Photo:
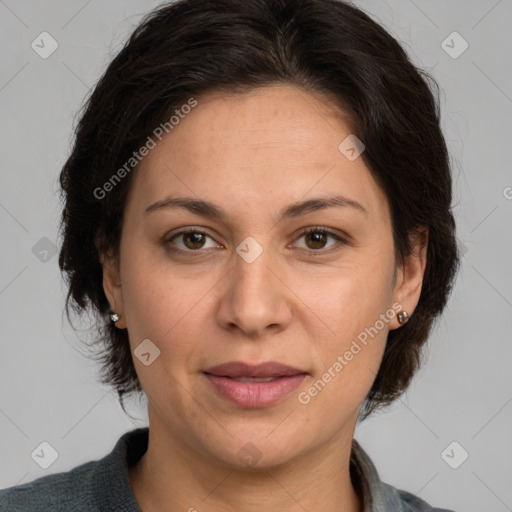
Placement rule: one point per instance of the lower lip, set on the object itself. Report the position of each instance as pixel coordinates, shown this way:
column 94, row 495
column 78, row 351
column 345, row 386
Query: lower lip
column 255, row 394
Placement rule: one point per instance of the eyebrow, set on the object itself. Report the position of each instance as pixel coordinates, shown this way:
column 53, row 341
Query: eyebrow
column 210, row 210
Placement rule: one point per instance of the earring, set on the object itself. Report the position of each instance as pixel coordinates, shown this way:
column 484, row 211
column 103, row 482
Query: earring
column 114, row 317
column 403, row 317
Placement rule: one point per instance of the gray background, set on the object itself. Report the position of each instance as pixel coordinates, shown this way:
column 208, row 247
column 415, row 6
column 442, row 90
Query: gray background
column 48, row 389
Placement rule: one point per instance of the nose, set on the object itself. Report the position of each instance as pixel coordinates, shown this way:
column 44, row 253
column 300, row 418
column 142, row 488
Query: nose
column 255, row 298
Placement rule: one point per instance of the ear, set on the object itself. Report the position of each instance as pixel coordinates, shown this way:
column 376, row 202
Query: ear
column 409, row 279
column 112, row 287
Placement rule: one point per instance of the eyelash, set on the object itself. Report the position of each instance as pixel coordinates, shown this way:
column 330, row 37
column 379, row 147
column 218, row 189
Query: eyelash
column 305, row 231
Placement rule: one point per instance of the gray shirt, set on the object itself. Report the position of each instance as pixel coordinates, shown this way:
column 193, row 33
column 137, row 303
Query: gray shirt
column 104, row 486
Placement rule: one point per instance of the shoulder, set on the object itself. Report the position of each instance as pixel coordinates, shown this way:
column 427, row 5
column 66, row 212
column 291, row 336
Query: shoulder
column 411, row 503
column 379, row 496
column 93, row 486
column 70, row 490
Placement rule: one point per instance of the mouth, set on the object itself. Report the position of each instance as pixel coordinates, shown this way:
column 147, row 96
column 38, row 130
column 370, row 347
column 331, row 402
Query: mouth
column 254, row 379
column 254, row 386
column 240, row 370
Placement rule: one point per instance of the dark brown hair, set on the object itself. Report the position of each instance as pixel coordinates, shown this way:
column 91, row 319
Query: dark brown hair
column 190, row 47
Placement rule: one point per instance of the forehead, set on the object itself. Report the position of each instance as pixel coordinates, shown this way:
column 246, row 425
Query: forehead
column 267, row 120
column 269, row 146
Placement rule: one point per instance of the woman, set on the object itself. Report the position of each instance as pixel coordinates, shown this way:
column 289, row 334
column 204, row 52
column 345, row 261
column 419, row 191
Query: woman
column 257, row 208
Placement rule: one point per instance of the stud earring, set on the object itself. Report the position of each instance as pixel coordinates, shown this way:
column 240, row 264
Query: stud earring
column 114, row 317
column 403, row 317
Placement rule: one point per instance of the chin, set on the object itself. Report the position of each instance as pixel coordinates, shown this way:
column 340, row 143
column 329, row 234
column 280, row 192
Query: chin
column 253, row 452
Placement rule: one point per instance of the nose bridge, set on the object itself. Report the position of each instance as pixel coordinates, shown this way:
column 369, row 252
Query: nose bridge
column 252, row 273
column 254, row 298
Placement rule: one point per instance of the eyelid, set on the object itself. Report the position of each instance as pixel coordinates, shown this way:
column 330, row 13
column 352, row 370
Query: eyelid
column 328, row 231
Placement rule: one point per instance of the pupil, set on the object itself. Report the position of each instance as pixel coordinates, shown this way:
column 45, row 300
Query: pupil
column 195, row 238
column 317, row 237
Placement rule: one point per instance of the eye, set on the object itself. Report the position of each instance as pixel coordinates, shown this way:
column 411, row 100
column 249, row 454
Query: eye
column 316, row 238
column 192, row 241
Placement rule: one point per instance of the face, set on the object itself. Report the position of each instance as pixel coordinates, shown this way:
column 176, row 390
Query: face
column 250, row 285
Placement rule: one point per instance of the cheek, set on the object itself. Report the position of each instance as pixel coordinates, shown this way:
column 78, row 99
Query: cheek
column 356, row 310
column 349, row 360
column 147, row 296
column 161, row 310
column 164, row 306
column 353, row 296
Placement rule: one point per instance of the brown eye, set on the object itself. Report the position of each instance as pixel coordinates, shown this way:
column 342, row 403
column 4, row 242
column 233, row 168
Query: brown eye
column 317, row 238
column 193, row 239
column 188, row 241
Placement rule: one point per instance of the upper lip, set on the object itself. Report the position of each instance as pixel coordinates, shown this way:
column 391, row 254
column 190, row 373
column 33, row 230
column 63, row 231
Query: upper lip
column 240, row 369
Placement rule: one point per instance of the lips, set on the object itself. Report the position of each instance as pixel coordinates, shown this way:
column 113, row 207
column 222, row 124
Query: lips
column 267, row 370
column 254, row 386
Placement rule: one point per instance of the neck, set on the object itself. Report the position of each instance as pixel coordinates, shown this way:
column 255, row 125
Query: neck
column 171, row 476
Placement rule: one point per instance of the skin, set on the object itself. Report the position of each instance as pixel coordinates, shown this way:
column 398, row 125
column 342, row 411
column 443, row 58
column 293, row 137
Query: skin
column 301, row 302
